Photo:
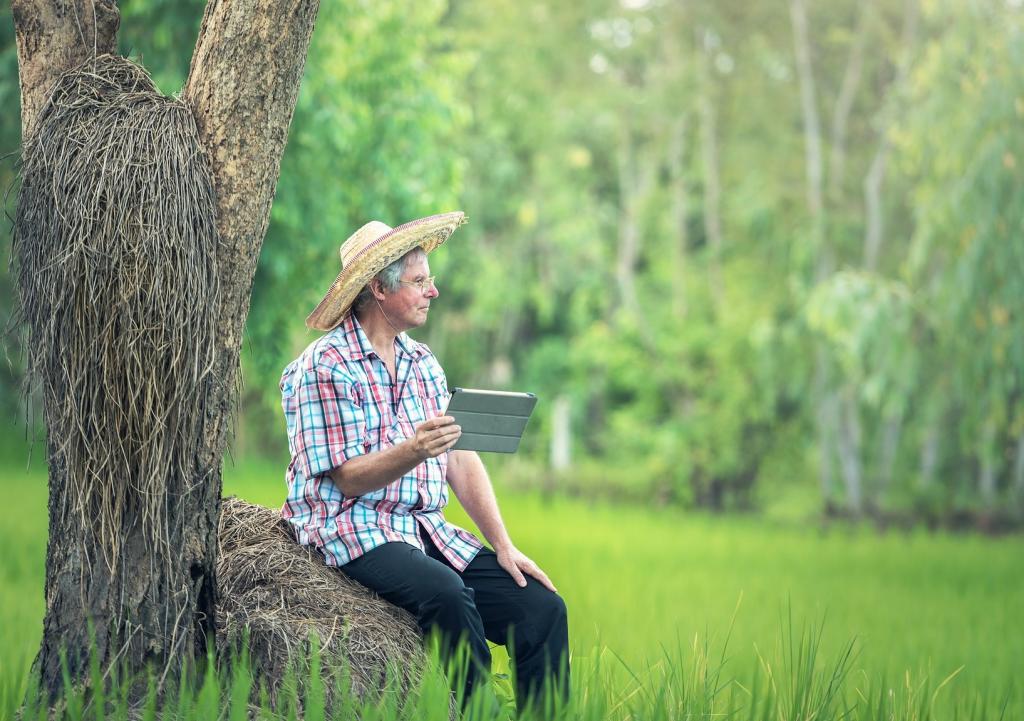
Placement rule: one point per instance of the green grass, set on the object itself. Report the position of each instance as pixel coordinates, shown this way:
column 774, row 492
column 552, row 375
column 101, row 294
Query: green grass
column 653, row 594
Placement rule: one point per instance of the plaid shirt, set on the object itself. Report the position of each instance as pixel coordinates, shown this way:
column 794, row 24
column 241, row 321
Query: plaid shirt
column 339, row 402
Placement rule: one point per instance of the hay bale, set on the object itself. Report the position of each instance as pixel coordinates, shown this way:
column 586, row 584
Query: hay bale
column 281, row 593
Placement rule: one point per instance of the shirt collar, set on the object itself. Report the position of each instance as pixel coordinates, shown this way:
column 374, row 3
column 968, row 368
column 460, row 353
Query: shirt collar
column 354, row 345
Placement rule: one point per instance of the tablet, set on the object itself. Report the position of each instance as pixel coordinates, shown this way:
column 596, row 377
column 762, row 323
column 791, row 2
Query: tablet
column 490, row 420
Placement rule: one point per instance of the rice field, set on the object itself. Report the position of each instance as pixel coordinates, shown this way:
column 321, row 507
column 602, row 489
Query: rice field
column 670, row 608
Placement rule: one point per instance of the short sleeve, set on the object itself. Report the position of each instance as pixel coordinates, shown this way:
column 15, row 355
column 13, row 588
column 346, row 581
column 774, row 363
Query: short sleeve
column 328, row 422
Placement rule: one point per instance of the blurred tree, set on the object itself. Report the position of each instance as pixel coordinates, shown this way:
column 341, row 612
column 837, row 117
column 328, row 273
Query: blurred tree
column 720, row 231
column 961, row 146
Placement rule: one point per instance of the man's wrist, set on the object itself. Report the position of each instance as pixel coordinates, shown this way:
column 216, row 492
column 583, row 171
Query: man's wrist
column 503, row 545
column 413, row 452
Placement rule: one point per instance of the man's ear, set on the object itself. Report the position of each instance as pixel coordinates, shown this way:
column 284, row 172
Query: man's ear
column 377, row 288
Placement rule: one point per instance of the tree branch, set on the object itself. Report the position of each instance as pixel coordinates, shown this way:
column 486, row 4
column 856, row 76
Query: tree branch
column 242, row 86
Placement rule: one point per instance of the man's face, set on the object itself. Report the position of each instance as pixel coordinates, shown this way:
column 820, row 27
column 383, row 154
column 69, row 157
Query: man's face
column 408, row 306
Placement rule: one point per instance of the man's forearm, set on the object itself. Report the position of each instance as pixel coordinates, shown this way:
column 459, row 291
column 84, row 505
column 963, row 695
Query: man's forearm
column 373, row 471
column 468, row 478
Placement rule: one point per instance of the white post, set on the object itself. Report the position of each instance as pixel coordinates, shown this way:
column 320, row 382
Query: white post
column 561, row 433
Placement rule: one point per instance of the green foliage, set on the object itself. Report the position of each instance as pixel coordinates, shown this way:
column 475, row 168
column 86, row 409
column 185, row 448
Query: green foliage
column 160, row 35
column 640, row 241
column 866, row 322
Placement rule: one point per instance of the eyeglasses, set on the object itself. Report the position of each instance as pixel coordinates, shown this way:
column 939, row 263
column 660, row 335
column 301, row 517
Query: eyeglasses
column 424, row 284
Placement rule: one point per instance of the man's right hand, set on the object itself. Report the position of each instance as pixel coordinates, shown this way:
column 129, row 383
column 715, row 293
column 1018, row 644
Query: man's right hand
column 369, row 472
column 435, row 436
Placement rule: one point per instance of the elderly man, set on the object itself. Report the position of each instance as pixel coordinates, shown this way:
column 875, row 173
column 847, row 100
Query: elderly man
column 371, row 463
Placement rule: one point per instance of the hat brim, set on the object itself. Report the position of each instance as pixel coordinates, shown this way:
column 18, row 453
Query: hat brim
column 426, row 233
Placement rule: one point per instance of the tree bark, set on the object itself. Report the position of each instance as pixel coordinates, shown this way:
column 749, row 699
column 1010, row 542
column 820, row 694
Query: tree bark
column 54, row 36
column 146, row 611
column 243, row 109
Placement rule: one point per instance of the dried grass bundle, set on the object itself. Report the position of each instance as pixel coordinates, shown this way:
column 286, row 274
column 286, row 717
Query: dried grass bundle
column 281, row 593
column 115, row 252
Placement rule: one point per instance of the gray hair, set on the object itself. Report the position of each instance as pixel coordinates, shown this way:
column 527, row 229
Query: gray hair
column 389, row 277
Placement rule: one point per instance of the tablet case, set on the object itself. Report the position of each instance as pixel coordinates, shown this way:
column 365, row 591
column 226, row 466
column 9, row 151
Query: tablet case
column 491, row 420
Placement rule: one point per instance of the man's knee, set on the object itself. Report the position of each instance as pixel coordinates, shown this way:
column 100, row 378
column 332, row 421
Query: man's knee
column 547, row 628
column 551, row 607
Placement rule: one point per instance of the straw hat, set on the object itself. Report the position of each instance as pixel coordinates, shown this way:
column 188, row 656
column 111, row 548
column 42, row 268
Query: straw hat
column 370, row 250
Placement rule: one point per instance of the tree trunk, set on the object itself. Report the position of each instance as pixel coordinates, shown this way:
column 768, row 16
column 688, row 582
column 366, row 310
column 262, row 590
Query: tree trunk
column 812, row 135
column 929, row 457
column 892, row 432
column 712, row 180
column 827, row 415
column 561, row 434
column 504, row 343
column 680, row 201
column 144, row 610
column 875, row 178
column 821, row 392
column 54, row 36
column 1018, row 469
column 844, row 104
column 987, row 480
column 629, row 228
column 635, row 180
column 873, row 205
column 849, row 443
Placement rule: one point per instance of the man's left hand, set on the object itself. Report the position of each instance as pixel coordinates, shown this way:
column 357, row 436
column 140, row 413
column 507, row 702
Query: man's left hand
column 516, row 563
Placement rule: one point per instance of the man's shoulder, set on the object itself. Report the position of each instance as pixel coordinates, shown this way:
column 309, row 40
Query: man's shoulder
column 327, row 355
column 333, row 348
column 430, row 372
column 424, row 356
column 417, row 348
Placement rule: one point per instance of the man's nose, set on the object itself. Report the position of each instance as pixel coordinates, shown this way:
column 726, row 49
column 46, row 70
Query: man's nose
column 432, row 291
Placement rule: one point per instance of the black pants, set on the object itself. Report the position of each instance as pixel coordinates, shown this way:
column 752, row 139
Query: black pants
column 479, row 604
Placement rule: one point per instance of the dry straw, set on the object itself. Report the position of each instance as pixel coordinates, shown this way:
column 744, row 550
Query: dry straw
column 115, row 253
column 281, row 594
